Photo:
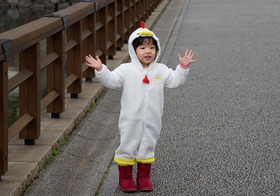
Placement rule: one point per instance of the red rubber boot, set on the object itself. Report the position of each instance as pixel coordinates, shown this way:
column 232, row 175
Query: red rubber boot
column 143, row 177
column 126, row 183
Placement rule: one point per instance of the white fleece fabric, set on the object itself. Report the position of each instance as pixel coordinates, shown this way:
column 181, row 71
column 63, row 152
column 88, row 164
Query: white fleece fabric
column 141, row 103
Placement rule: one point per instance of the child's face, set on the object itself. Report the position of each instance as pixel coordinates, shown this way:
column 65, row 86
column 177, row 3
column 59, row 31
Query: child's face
column 146, row 53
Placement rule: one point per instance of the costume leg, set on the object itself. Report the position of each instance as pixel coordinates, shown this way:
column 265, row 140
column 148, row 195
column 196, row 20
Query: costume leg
column 146, row 151
column 130, row 138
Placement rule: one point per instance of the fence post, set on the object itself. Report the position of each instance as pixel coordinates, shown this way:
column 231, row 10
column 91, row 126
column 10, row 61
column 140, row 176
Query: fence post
column 133, row 18
column 120, row 25
column 29, row 93
column 111, row 29
column 3, row 117
column 127, row 20
column 139, row 12
column 101, row 34
column 74, row 58
column 55, row 74
column 89, row 45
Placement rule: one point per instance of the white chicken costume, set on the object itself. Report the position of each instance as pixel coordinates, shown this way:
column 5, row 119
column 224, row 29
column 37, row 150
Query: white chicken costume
column 141, row 103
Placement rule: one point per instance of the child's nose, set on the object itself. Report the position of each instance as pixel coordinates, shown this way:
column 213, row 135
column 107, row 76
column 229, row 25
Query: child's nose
column 148, row 50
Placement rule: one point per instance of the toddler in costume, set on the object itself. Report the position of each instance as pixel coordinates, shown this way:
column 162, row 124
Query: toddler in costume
column 143, row 81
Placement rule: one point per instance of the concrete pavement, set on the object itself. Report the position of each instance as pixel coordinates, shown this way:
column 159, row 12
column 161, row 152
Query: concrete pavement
column 220, row 131
column 83, row 163
column 25, row 162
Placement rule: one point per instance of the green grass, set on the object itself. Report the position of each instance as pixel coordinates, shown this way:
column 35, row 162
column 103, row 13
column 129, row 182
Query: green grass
column 91, row 107
column 103, row 179
column 55, row 152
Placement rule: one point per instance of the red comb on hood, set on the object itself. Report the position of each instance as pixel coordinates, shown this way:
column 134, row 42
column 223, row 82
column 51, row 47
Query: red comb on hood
column 142, row 24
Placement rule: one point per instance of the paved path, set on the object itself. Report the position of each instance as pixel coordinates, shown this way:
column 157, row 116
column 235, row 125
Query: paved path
column 221, row 130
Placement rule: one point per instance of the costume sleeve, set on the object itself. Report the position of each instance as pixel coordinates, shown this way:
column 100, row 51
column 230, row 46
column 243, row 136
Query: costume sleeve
column 111, row 79
column 176, row 77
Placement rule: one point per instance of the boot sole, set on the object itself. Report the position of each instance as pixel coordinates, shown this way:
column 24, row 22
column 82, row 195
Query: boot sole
column 145, row 189
column 128, row 190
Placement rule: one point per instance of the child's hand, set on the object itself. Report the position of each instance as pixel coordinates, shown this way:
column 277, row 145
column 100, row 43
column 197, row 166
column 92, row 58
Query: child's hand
column 94, row 63
column 187, row 59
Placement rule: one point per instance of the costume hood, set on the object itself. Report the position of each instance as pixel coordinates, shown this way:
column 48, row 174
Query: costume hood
column 141, row 32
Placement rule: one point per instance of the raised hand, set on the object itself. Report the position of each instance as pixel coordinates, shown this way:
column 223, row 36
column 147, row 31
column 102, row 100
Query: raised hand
column 187, row 59
column 94, row 63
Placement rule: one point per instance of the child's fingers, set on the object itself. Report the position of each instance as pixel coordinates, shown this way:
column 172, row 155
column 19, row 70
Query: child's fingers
column 179, row 56
column 88, row 58
column 186, row 52
column 192, row 54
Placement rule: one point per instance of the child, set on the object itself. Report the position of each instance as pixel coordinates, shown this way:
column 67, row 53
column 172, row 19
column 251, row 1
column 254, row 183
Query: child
column 143, row 81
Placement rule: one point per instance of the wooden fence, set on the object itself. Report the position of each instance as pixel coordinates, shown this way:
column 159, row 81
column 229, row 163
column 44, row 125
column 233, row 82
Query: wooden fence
column 98, row 27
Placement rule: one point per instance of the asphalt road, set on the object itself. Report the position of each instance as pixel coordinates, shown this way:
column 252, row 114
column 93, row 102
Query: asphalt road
column 221, row 129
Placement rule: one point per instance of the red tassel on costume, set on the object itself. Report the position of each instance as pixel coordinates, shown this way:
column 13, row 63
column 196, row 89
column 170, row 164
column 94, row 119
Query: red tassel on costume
column 142, row 24
column 146, row 80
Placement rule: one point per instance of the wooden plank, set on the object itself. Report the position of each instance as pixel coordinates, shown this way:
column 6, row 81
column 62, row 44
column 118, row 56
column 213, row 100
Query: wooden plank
column 22, row 122
column 1, row 49
column 3, row 117
column 70, row 79
column 133, row 18
column 90, row 45
column 44, row 27
column 31, row 33
column 109, row 44
column 84, row 67
column 127, row 18
column 98, row 25
column 118, row 13
column 99, row 53
column 49, row 59
column 29, row 92
column 101, row 4
column 70, row 44
column 86, row 33
column 109, row 18
column 55, row 73
column 92, row 38
column 16, row 80
column 50, row 97
column 111, row 29
column 101, row 34
column 77, row 12
column 120, row 25
column 75, row 59
column 118, row 36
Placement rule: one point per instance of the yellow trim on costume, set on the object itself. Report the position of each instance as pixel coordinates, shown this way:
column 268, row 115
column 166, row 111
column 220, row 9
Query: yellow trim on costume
column 146, row 161
column 147, row 33
column 123, row 162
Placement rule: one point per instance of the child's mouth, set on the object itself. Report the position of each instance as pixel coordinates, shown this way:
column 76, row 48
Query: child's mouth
column 148, row 58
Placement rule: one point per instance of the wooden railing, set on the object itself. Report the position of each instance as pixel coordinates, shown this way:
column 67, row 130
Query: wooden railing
column 98, row 27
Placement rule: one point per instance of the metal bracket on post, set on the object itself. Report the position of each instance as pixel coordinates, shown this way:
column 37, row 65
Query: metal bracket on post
column 6, row 45
column 62, row 16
